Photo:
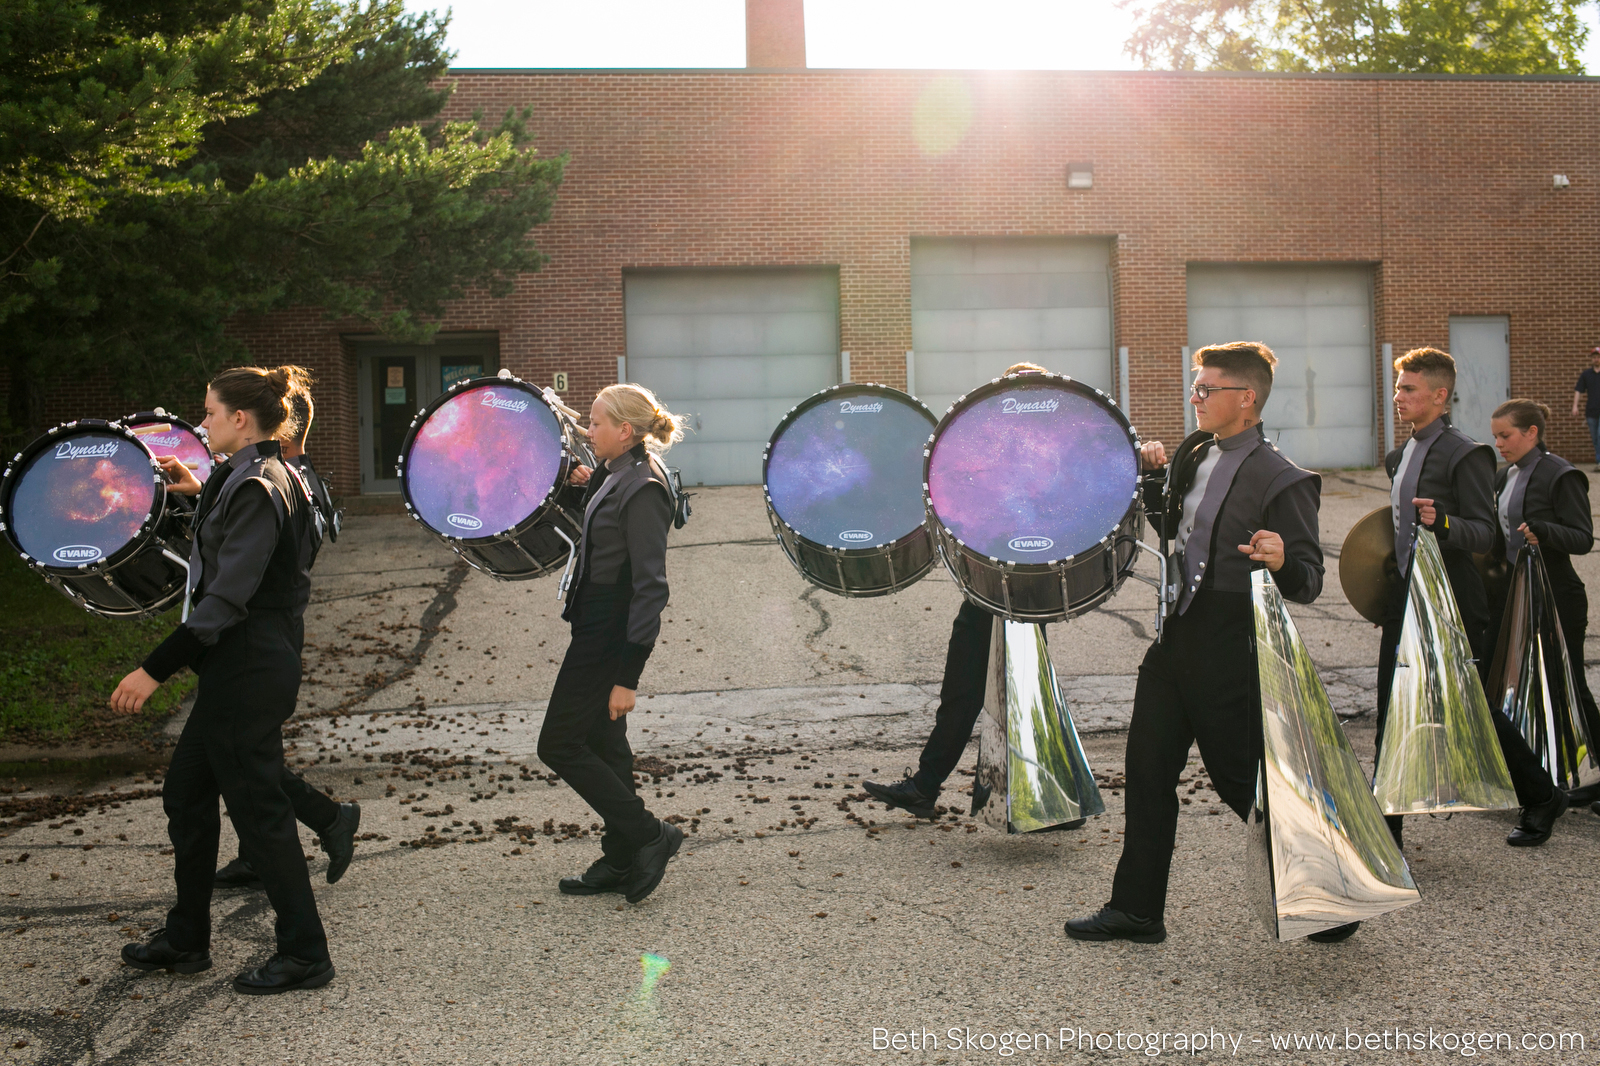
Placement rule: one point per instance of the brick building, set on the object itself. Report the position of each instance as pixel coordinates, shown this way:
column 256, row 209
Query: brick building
column 738, row 239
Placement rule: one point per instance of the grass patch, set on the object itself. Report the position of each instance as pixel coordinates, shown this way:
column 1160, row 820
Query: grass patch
column 61, row 664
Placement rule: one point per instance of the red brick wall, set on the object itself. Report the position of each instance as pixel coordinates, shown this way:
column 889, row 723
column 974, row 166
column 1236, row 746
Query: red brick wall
column 1444, row 183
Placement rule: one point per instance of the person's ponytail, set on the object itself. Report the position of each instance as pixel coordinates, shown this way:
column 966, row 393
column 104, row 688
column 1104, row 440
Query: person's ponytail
column 266, row 394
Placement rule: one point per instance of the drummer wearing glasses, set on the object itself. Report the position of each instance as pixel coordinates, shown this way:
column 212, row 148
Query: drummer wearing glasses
column 1230, row 502
column 619, row 591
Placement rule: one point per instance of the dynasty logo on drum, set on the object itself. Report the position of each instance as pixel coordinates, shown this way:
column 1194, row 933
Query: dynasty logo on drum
column 76, row 553
column 848, row 408
column 103, row 450
column 491, row 400
column 1013, row 406
column 464, row 521
column 855, row 536
column 1031, row 544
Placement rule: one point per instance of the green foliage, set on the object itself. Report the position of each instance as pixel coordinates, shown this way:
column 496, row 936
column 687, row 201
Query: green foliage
column 165, row 167
column 1379, row 36
column 61, row 665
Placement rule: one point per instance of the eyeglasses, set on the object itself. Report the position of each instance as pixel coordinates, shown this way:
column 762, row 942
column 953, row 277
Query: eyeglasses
column 1202, row 391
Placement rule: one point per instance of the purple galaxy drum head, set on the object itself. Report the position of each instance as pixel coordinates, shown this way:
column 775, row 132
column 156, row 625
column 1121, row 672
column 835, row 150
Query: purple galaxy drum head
column 482, row 460
column 1032, row 471
column 81, row 497
column 165, row 436
column 845, row 469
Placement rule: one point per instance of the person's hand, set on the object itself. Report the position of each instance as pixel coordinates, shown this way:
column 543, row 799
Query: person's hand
column 622, row 701
column 580, row 476
column 1153, row 455
column 180, row 478
column 1265, row 547
column 1528, row 535
column 131, row 693
column 1427, row 513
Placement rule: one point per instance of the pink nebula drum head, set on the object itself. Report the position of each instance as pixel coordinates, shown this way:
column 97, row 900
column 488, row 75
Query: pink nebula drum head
column 1033, row 471
column 81, row 498
column 845, row 469
column 167, row 437
column 483, row 460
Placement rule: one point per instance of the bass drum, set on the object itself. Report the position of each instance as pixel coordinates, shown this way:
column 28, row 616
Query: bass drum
column 1031, row 486
column 841, row 475
column 86, row 507
column 484, row 468
column 165, row 435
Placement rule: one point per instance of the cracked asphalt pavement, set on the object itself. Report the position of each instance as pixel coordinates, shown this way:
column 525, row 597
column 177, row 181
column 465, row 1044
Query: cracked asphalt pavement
column 799, row 916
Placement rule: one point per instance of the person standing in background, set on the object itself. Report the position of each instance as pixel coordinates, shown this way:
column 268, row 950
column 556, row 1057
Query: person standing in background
column 1586, row 395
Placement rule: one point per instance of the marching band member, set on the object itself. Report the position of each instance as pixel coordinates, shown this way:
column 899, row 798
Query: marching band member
column 1543, row 500
column 249, row 587
column 1443, row 481
column 334, row 823
column 1231, row 502
column 619, row 591
column 966, row 667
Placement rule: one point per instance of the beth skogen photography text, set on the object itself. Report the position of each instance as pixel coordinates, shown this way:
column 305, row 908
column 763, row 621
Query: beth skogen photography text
column 797, row 531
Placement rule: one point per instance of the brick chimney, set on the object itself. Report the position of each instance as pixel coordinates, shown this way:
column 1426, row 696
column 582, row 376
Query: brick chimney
column 774, row 33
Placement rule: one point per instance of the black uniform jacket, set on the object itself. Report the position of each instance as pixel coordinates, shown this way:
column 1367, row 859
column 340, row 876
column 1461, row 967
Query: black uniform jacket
column 627, row 511
column 1269, row 492
column 1458, row 476
column 1556, row 507
column 251, row 540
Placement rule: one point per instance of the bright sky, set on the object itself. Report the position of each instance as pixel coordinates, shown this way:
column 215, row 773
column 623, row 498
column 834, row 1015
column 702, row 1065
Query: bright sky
column 959, row 34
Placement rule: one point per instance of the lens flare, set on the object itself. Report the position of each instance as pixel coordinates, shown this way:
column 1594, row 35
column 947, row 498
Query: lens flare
column 655, row 967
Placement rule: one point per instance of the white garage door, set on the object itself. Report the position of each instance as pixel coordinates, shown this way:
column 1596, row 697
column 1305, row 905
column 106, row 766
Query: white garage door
column 733, row 349
column 1318, row 321
column 980, row 305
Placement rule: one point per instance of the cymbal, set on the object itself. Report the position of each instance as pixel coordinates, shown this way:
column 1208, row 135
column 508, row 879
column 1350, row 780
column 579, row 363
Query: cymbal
column 1367, row 569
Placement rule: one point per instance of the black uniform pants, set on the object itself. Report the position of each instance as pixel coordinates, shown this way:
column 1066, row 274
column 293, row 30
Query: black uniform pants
column 1198, row 684
column 966, row 678
column 579, row 741
column 232, row 747
column 311, row 808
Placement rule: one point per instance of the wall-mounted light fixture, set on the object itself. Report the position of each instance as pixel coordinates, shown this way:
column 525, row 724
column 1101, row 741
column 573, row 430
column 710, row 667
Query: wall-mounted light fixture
column 1080, row 175
column 1561, row 181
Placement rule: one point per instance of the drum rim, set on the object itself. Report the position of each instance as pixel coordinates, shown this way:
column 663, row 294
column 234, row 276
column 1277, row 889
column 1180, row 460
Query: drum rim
column 814, row 400
column 944, row 533
column 143, row 417
column 462, row 387
column 134, row 544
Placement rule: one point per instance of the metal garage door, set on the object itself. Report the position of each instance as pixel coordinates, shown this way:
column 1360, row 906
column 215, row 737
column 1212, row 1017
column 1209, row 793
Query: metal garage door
column 979, row 305
column 1318, row 320
column 734, row 349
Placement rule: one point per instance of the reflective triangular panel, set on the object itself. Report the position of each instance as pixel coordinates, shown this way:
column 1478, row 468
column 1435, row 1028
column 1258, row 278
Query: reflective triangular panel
column 1319, row 854
column 1533, row 682
column 1439, row 748
column 1032, row 772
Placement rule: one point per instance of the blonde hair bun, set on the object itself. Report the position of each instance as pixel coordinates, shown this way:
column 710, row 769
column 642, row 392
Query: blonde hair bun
column 638, row 407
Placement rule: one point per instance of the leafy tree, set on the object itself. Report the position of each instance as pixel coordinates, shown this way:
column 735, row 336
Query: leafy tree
column 166, row 166
column 1385, row 36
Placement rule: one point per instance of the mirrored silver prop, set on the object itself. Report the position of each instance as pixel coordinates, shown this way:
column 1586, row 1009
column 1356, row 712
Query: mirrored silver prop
column 1532, row 680
column 1318, row 853
column 1032, row 772
column 1439, row 748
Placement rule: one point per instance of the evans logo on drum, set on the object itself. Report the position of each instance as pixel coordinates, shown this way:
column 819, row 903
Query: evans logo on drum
column 491, row 400
column 76, row 553
column 855, row 536
column 464, row 521
column 848, row 408
column 1031, row 544
column 104, row 450
column 1013, row 406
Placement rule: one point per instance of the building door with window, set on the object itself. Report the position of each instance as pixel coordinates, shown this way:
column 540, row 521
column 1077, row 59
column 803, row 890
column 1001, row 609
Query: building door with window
column 398, row 380
column 1481, row 346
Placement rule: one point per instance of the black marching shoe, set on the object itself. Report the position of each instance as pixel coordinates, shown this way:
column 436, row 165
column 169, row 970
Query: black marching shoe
column 904, row 794
column 1110, row 924
column 1537, row 821
column 650, row 864
column 1336, row 934
column 339, row 840
column 157, row 954
column 238, row 874
column 283, row 973
column 601, row 877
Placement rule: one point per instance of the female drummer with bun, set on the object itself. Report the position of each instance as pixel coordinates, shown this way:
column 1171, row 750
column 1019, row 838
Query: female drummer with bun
column 619, row 589
column 248, row 585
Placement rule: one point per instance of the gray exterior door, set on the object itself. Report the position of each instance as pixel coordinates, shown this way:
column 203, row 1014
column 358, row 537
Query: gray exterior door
column 1481, row 345
column 1317, row 319
column 978, row 305
column 733, row 350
